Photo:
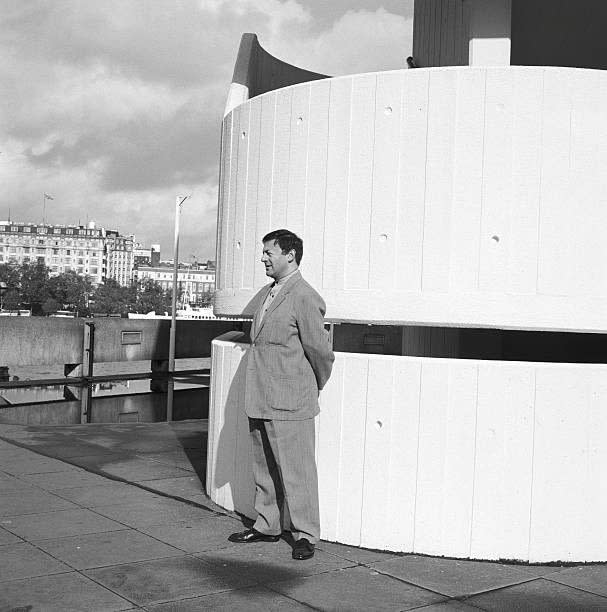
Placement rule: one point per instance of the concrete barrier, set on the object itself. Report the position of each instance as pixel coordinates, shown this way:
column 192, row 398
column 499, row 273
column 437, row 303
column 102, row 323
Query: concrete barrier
column 461, row 458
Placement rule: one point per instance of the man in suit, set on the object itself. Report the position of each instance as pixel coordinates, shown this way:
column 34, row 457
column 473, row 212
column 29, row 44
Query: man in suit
column 288, row 363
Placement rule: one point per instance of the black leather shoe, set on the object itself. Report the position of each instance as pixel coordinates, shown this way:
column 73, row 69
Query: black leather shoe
column 252, row 535
column 303, row 549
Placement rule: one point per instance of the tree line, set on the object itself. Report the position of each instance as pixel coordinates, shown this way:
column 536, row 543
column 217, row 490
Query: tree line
column 30, row 286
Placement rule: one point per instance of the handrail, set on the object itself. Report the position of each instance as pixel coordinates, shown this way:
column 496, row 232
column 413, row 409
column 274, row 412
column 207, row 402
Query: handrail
column 74, row 381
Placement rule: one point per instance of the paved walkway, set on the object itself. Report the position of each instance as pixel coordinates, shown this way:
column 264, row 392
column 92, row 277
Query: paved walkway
column 114, row 517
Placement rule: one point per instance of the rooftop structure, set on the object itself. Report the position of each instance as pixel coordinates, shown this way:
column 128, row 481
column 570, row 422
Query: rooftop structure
column 452, row 217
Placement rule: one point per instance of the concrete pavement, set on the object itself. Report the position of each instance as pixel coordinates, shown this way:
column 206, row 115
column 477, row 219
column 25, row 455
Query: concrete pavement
column 114, row 517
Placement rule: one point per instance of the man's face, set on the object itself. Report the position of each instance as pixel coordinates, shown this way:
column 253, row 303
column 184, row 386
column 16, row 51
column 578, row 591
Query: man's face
column 276, row 262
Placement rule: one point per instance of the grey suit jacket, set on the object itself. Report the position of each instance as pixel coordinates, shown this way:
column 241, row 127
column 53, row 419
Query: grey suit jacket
column 290, row 358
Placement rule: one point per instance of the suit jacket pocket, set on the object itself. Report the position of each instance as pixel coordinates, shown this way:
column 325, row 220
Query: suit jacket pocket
column 284, row 392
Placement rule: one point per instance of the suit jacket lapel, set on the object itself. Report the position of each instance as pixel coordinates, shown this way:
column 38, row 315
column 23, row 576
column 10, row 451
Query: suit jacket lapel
column 255, row 326
column 277, row 301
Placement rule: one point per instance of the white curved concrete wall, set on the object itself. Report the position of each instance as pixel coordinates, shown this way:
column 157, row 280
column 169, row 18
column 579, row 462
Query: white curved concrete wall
column 444, row 196
column 462, row 458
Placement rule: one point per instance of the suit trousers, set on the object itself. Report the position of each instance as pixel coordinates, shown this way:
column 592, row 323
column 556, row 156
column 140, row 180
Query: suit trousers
column 284, row 470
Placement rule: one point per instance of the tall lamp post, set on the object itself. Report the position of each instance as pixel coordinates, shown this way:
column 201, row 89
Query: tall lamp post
column 179, row 200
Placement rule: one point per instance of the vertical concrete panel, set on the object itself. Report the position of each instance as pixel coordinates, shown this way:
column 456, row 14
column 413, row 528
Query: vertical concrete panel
column 316, row 183
column 250, row 242
column 437, row 246
column 298, row 155
column 597, row 460
column 230, row 218
column 402, row 475
column 504, row 456
column 460, row 448
column 240, row 199
column 386, row 181
column 565, row 500
column 243, row 485
column 557, row 257
column 526, row 178
column 282, row 163
column 412, row 170
column 352, row 441
column 229, row 156
column 378, row 436
column 266, row 178
column 588, row 183
column 429, row 499
column 328, row 450
column 467, row 180
column 358, row 214
column 338, row 173
column 497, row 181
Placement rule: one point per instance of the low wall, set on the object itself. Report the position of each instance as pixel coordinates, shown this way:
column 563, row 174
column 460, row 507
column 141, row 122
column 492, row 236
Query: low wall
column 47, row 341
column 461, row 458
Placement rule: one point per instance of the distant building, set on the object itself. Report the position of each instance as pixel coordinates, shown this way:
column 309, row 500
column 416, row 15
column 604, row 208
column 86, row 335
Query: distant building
column 195, row 285
column 120, row 257
column 87, row 250
column 146, row 257
column 60, row 247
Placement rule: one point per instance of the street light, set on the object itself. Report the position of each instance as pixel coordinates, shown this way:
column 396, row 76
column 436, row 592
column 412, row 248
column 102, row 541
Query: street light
column 179, row 200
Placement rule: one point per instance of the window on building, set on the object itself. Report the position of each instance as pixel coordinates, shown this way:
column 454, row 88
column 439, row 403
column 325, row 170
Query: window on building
column 69, row 231
column 57, row 230
column 68, row 252
column 41, row 230
column 55, row 251
column 27, row 230
column 14, row 228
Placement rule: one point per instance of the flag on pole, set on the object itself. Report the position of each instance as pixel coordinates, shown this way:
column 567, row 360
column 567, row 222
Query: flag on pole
column 48, row 197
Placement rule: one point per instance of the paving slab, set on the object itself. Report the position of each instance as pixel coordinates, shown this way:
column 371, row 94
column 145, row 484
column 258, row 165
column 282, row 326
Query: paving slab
column 8, row 482
column 185, row 460
column 36, row 464
column 97, row 459
column 455, row 578
column 60, row 593
column 160, row 511
column 197, row 535
column 252, row 599
column 271, row 561
column 358, row 555
column 108, row 494
column 356, row 588
column 167, row 579
column 25, row 561
column 451, row 605
column 60, row 524
column 63, row 480
column 591, row 578
column 183, row 486
column 31, row 501
column 136, row 469
column 539, row 595
column 6, row 537
column 111, row 548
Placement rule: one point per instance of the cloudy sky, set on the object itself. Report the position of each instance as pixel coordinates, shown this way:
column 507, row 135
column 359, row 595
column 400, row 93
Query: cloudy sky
column 114, row 107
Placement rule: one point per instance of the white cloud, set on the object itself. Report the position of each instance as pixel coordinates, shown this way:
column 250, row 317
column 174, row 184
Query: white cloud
column 115, row 107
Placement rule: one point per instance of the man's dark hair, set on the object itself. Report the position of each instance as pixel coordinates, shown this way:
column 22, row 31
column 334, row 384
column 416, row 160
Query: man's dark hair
column 287, row 241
